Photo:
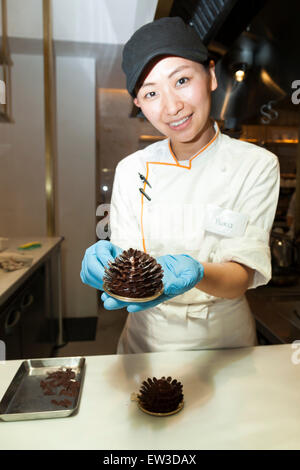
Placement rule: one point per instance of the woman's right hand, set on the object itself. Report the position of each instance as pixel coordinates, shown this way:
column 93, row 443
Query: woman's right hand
column 96, row 258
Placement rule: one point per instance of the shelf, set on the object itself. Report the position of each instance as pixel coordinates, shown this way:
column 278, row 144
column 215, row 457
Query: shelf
column 271, row 142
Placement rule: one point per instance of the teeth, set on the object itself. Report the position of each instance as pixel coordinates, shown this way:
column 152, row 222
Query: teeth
column 175, row 124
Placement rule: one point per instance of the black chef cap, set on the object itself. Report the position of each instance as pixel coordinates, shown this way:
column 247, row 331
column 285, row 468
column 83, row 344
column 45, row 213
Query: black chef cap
column 168, row 35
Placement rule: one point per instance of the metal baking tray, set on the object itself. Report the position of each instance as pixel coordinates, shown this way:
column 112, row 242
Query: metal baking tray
column 24, row 399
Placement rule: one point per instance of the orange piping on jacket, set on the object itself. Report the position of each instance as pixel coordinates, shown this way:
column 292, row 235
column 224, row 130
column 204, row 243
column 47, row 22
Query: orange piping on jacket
column 170, row 164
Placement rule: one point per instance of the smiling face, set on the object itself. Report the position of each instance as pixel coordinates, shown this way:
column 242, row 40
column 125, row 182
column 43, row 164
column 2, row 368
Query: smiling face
column 175, row 96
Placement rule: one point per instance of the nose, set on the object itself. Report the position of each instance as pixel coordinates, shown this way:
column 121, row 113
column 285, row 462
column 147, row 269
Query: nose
column 172, row 103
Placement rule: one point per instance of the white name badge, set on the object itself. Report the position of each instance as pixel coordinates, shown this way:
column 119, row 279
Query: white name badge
column 224, row 221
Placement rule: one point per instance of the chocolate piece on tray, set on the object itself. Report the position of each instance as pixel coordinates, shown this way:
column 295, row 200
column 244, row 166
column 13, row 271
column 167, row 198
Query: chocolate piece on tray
column 60, row 382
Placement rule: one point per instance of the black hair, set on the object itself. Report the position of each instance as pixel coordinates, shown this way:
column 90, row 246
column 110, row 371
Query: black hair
column 206, row 63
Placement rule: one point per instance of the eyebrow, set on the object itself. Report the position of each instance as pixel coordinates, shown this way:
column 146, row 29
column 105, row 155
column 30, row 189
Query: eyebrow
column 178, row 69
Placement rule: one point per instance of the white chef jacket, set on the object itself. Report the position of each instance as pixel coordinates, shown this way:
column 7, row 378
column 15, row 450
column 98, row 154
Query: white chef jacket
column 217, row 206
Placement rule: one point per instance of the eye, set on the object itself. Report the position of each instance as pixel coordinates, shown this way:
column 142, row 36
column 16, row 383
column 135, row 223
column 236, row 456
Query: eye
column 151, row 94
column 182, row 81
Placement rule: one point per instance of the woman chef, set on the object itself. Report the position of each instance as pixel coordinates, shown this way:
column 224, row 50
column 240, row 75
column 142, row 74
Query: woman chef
column 199, row 201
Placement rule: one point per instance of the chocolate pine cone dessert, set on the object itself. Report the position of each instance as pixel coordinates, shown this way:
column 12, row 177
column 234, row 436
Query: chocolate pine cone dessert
column 134, row 274
column 160, row 395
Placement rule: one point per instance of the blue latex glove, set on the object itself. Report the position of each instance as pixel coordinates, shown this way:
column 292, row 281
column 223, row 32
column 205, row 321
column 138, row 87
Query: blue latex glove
column 95, row 259
column 181, row 273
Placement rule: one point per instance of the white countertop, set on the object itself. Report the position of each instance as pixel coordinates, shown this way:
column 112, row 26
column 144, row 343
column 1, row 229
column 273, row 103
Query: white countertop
column 234, row 399
column 11, row 280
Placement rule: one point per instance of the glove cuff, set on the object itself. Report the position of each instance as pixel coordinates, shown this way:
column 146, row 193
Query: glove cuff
column 201, row 272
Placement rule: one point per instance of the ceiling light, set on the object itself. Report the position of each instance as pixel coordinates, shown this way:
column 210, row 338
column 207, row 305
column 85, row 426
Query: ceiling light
column 239, row 71
column 239, row 75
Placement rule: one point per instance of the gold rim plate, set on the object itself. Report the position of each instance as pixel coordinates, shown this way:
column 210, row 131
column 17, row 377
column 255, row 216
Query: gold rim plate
column 133, row 299
column 169, row 413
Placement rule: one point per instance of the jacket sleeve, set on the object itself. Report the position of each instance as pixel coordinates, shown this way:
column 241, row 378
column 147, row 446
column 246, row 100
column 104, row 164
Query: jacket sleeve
column 124, row 211
column 258, row 200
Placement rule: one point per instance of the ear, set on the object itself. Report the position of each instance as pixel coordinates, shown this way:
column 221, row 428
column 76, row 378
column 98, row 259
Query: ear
column 213, row 78
column 136, row 102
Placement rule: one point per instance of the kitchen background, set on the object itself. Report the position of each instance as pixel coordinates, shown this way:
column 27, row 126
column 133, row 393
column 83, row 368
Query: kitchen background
column 65, row 128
